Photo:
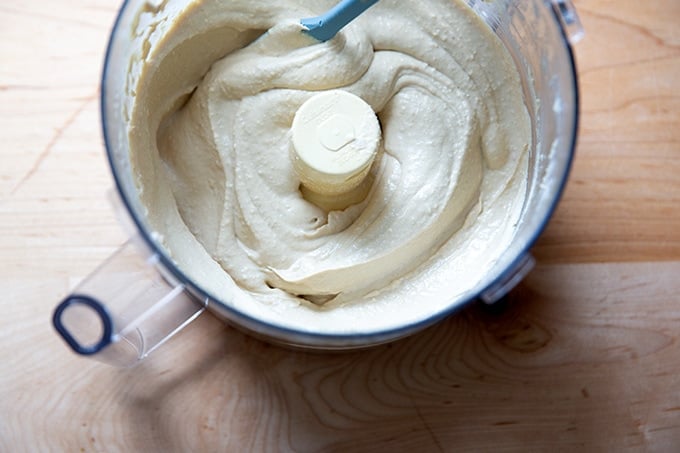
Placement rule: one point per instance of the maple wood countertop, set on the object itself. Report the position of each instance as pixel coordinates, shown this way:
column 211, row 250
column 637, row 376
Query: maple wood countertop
column 586, row 352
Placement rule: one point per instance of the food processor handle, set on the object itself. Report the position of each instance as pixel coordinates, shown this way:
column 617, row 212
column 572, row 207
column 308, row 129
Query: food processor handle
column 125, row 309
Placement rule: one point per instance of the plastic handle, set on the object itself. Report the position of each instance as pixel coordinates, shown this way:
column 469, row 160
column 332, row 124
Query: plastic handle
column 74, row 342
column 125, row 309
column 327, row 25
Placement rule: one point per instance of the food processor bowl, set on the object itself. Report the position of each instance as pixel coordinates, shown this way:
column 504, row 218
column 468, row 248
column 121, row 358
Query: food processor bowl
column 140, row 297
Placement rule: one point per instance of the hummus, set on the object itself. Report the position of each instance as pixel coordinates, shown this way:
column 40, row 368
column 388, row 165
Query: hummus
column 214, row 98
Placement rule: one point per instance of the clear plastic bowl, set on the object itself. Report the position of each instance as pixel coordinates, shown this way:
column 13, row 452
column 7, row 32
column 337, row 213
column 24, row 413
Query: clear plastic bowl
column 105, row 318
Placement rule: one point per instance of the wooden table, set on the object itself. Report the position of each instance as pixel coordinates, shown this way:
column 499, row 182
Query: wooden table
column 586, row 353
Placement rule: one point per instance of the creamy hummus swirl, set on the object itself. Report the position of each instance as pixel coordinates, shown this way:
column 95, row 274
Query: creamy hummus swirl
column 210, row 143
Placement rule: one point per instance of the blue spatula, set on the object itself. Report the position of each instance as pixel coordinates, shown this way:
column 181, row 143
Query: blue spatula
column 325, row 26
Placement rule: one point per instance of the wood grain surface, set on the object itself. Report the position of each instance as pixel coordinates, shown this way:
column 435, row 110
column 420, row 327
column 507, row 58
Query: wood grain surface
column 584, row 354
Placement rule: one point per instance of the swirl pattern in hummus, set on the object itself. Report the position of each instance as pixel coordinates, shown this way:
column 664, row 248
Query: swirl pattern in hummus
column 210, row 140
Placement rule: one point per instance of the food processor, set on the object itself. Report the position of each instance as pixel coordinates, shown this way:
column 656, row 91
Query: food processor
column 139, row 298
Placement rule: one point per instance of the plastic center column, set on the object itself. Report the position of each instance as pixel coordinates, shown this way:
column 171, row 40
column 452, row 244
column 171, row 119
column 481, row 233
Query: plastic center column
column 335, row 139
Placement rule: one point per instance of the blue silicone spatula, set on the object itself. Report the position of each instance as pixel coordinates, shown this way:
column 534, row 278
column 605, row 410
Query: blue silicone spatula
column 325, row 26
